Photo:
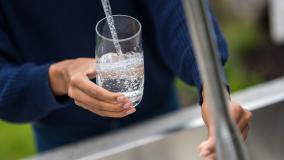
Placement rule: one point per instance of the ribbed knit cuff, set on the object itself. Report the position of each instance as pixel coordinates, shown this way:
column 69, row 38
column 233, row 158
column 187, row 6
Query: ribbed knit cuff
column 199, row 84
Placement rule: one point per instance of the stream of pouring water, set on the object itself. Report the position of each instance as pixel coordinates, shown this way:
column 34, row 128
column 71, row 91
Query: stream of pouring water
column 110, row 21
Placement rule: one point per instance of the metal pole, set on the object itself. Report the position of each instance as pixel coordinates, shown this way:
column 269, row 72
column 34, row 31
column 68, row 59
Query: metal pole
column 229, row 144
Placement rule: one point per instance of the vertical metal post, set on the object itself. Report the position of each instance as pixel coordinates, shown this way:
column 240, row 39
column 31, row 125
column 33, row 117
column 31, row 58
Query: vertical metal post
column 229, row 143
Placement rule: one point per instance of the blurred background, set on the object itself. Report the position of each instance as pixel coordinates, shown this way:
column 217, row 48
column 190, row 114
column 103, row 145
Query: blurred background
column 255, row 57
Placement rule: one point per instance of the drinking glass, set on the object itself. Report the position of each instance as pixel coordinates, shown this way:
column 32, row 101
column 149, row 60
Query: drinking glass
column 120, row 72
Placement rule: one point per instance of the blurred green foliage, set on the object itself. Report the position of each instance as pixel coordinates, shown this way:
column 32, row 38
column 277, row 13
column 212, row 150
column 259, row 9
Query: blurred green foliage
column 242, row 37
column 15, row 141
column 187, row 94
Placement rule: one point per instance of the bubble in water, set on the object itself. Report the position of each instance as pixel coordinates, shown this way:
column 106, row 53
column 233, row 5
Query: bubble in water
column 122, row 73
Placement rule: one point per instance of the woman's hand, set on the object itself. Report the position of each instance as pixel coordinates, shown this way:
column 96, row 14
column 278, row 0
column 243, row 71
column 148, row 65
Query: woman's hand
column 242, row 118
column 72, row 78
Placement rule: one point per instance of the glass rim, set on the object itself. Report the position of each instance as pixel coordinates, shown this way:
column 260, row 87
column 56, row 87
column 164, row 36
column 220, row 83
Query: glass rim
column 123, row 39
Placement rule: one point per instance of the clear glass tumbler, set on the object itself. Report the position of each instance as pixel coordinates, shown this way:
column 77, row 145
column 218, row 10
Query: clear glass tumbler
column 120, row 72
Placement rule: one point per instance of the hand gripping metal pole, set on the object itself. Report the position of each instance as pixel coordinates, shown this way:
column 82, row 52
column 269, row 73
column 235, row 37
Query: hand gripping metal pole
column 229, row 144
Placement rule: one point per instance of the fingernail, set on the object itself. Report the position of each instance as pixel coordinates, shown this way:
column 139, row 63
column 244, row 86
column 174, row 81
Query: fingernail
column 121, row 98
column 130, row 111
column 127, row 105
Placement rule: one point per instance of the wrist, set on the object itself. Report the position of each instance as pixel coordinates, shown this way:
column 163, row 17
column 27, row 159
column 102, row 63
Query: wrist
column 207, row 116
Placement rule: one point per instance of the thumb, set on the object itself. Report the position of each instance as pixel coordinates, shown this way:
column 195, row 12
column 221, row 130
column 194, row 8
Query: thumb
column 207, row 148
column 91, row 70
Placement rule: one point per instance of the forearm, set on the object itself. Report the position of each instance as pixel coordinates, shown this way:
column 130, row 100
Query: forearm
column 207, row 112
column 207, row 116
column 25, row 93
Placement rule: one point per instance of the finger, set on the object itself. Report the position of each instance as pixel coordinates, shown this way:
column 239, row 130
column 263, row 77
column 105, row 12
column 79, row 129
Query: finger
column 242, row 125
column 245, row 133
column 89, row 66
column 84, row 84
column 80, row 96
column 91, row 75
column 119, row 114
column 107, row 113
column 202, row 146
column 236, row 112
column 206, row 148
column 244, row 122
column 211, row 157
column 205, row 153
column 91, row 72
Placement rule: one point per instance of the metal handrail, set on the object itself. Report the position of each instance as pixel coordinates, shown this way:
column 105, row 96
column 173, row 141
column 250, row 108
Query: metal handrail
column 229, row 144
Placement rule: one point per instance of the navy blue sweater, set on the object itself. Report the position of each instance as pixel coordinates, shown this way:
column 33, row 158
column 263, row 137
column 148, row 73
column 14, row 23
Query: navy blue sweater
column 35, row 34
